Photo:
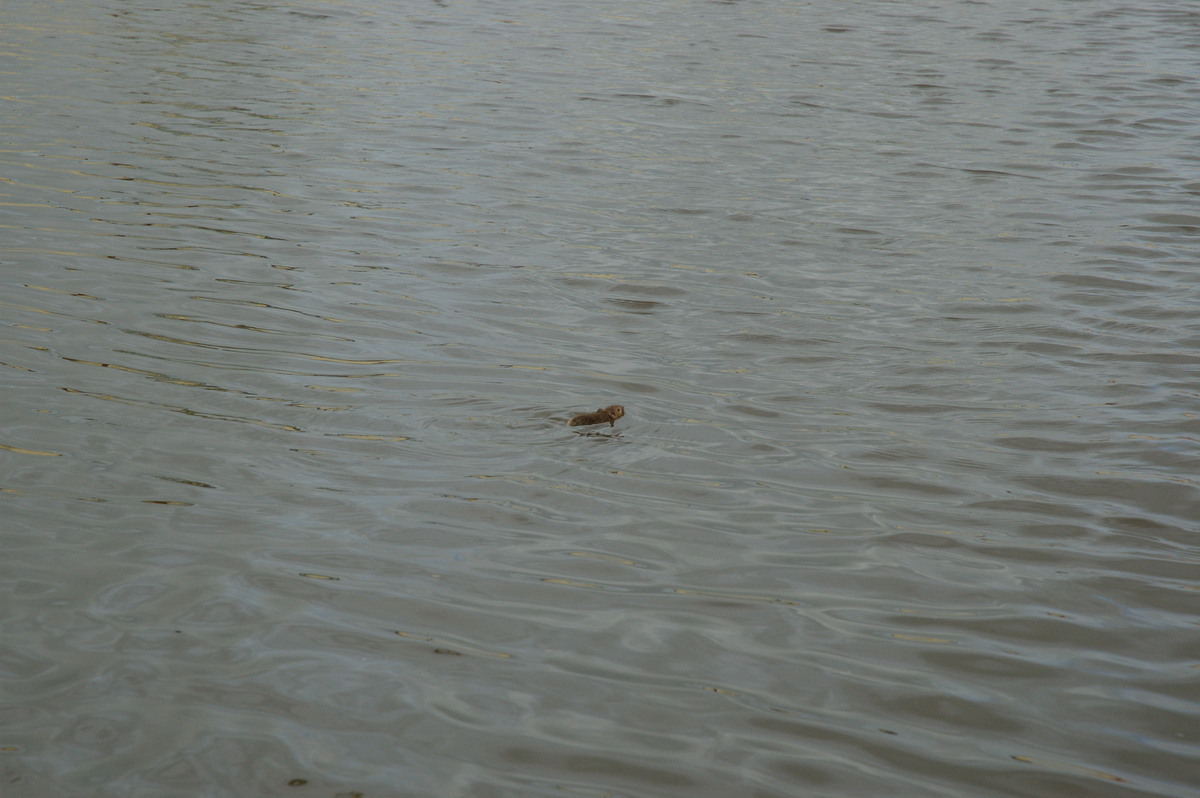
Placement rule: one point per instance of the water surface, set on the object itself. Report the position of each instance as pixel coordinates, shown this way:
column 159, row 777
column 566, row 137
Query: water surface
column 900, row 300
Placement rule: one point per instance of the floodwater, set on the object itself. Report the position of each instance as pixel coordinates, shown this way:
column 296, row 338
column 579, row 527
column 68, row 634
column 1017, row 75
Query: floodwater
column 902, row 301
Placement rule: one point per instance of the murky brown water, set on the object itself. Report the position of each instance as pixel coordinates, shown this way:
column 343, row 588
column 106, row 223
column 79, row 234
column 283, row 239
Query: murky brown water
column 901, row 301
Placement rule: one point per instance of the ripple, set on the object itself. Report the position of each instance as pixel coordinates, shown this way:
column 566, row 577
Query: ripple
column 294, row 327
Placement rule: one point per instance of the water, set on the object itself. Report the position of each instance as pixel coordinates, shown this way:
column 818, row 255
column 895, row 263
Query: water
column 899, row 298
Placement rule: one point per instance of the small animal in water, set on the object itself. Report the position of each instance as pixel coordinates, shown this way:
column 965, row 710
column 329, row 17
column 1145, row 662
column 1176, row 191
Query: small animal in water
column 609, row 414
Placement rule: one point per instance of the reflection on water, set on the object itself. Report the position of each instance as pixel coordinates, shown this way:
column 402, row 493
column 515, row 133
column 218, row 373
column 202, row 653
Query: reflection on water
column 899, row 301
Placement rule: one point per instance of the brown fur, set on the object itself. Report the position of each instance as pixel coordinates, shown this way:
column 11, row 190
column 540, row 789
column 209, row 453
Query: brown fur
column 609, row 414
